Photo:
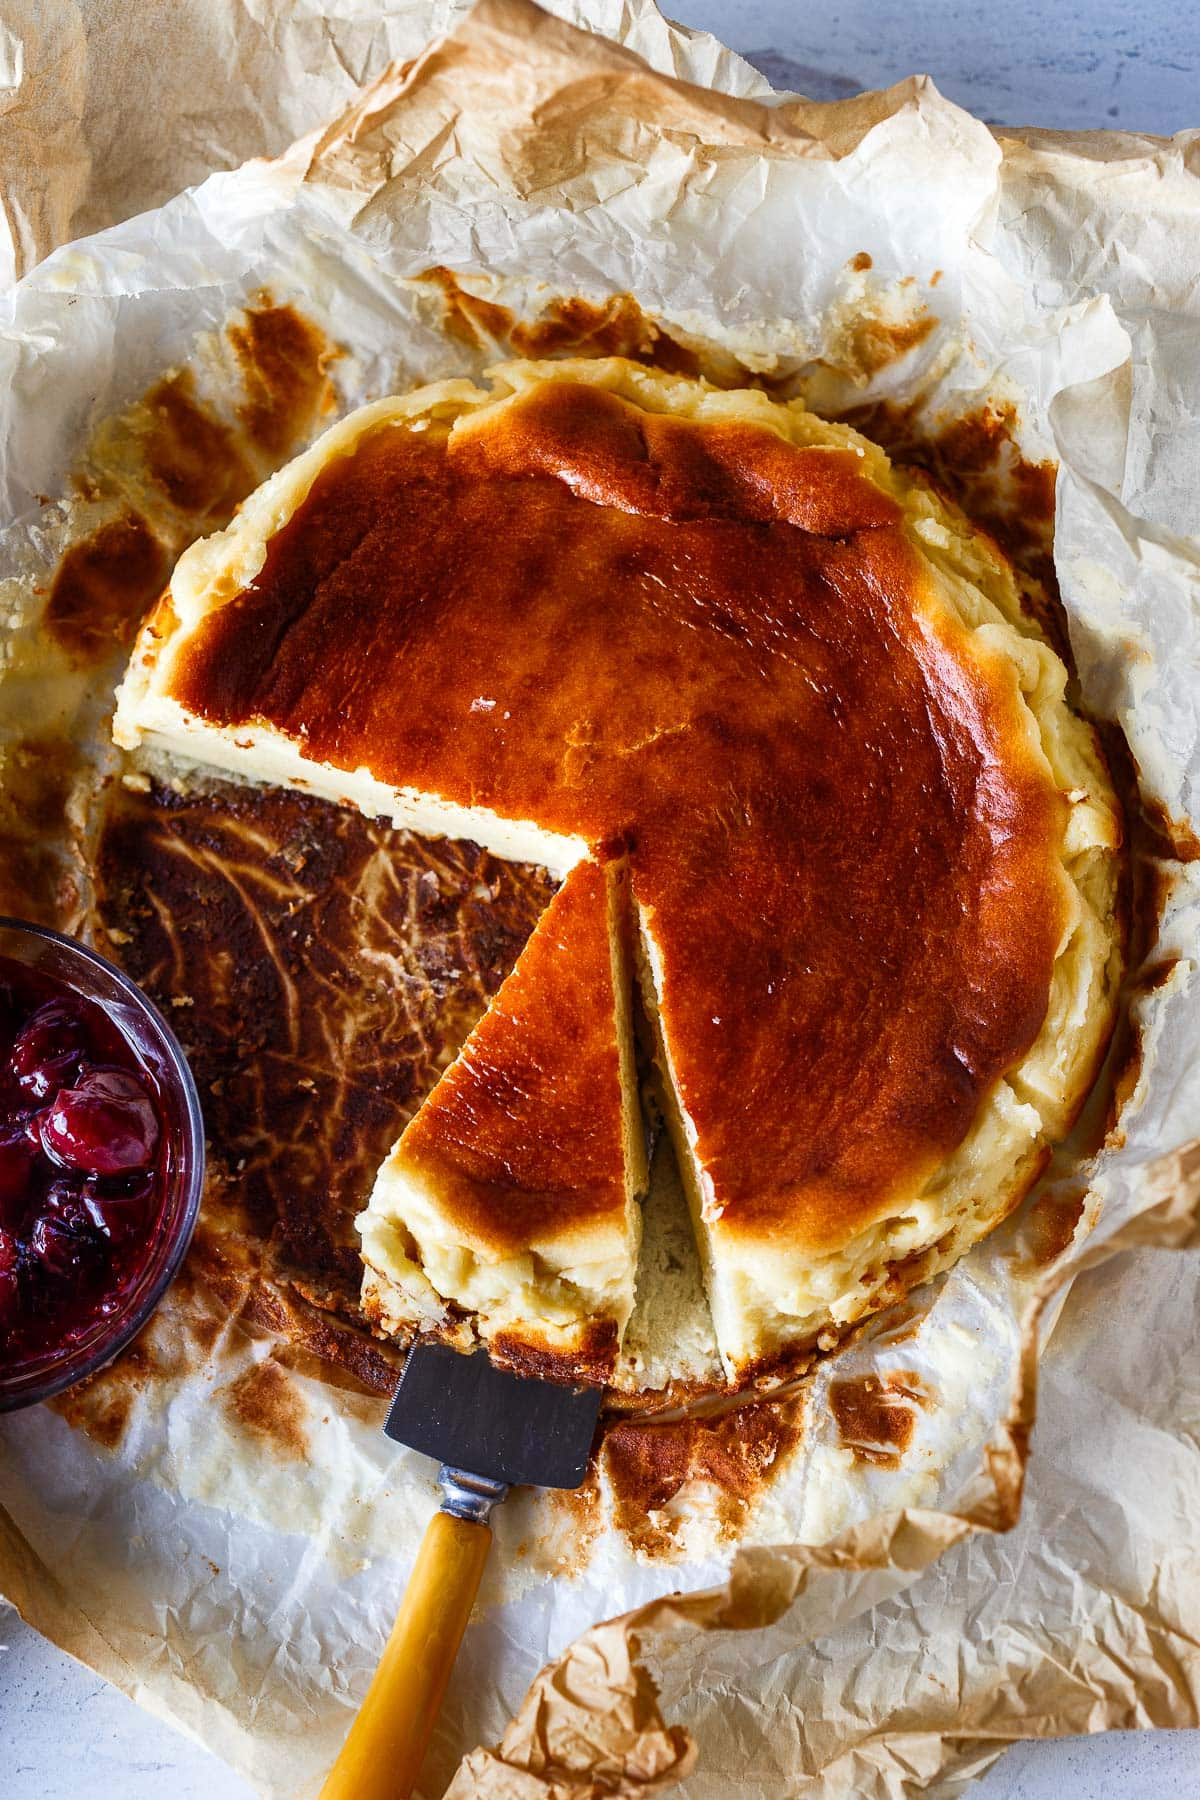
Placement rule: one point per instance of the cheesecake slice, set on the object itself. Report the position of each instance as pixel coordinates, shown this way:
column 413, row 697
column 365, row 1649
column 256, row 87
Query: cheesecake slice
column 508, row 1211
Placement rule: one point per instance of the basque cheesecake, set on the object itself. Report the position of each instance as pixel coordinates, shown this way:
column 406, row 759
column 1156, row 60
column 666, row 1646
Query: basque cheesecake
column 773, row 709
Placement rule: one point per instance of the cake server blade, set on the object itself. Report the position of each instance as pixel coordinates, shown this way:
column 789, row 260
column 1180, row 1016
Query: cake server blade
column 466, row 1413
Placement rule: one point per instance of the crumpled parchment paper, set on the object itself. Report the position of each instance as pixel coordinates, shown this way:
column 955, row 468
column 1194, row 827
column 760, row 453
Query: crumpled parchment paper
column 224, row 82
column 245, row 1594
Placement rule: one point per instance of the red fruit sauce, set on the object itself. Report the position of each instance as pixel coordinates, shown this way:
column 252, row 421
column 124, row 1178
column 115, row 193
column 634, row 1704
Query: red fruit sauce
column 83, row 1149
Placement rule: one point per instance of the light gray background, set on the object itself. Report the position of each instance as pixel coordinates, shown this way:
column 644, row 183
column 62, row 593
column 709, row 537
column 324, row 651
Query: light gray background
column 66, row 1735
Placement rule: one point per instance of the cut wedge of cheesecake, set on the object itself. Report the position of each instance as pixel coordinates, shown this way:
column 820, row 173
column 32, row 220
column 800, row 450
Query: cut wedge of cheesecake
column 508, row 1210
column 598, row 612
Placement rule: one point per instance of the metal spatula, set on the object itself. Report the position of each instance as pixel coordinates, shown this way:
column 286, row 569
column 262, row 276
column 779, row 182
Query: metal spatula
column 490, row 1431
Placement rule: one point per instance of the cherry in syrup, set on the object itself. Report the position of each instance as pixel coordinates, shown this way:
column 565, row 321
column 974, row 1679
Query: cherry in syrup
column 82, row 1164
column 50, row 1048
column 105, row 1125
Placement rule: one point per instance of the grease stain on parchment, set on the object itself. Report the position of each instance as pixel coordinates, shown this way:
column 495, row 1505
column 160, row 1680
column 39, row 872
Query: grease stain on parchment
column 876, row 1415
column 40, row 776
column 1049, row 1228
column 565, row 325
column 321, row 969
column 174, row 464
column 651, row 1465
column 103, row 1405
column 159, row 474
column 976, row 460
column 264, row 1403
column 1178, row 841
column 869, row 331
column 103, row 585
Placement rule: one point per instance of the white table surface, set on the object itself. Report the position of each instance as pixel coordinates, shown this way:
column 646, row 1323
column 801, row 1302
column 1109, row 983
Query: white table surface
column 66, row 1735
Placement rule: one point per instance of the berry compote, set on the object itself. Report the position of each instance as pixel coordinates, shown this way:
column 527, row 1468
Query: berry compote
column 85, row 1133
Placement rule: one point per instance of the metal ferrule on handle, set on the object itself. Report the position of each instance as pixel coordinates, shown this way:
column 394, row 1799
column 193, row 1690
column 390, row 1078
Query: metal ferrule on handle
column 466, row 1496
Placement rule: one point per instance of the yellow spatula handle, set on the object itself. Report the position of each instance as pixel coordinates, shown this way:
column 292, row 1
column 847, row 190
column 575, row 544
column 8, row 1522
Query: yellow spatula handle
column 381, row 1758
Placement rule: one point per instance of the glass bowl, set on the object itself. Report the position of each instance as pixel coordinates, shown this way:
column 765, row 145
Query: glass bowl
column 144, row 1027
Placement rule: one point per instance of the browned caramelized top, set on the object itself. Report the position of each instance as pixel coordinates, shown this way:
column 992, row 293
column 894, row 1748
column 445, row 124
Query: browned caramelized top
column 523, row 1137
column 717, row 649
